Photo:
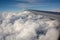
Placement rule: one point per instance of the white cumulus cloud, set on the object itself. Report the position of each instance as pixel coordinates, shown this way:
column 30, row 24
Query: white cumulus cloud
column 27, row 26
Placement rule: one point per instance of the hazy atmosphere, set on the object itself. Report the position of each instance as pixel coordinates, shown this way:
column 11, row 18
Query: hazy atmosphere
column 29, row 19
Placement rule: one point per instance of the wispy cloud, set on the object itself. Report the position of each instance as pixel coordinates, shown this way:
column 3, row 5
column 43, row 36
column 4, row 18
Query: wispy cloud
column 32, row 1
column 28, row 0
column 29, row 6
column 40, row 4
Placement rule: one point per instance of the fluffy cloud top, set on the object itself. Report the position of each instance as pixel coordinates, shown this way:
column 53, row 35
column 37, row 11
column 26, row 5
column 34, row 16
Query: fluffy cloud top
column 27, row 26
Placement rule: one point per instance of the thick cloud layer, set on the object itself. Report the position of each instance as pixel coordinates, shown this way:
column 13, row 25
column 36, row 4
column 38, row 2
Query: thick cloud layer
column 27, row 26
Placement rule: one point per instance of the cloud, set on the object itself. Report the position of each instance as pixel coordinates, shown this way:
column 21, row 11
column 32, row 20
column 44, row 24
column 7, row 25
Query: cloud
column 23, row 5
column 29, row 6
column 26, row 3
column 56, row 10
column 29, row 1
column 27, row 26
column 33, row 1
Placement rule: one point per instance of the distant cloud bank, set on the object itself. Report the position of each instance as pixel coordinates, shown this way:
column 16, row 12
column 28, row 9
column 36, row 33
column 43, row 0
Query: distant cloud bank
column 27, row 26
column 56, row 10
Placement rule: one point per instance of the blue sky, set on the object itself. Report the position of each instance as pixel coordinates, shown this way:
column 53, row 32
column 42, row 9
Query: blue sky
column 17, row 5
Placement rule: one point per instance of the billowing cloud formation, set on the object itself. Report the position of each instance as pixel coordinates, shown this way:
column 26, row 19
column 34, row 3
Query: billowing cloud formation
column 27, row 26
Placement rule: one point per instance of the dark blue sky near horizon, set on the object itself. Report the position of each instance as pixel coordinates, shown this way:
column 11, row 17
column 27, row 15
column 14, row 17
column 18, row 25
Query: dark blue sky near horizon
column 17, row 5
